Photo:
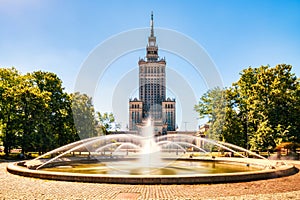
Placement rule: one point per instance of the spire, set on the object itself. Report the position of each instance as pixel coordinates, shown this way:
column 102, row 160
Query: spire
column 152, row 54
column 151, row 25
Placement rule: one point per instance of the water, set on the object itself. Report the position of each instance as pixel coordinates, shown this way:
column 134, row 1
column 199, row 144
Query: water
column 138, row 154
column 175, row 168
column 150, row 156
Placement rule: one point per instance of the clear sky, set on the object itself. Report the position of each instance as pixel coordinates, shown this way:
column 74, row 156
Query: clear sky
column 58, row 35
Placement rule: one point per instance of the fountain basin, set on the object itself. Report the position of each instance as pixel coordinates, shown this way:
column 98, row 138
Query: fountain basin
column 146, row 153
column 260, row 173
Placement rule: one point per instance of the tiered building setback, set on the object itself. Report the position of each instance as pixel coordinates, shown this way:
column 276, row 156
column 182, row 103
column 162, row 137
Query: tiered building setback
column 152, row 103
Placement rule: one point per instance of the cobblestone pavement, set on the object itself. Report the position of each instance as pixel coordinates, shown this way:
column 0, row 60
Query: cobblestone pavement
column 17, row 187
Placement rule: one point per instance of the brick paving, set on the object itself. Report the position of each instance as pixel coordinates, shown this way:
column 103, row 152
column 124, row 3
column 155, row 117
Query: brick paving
column 17, row 187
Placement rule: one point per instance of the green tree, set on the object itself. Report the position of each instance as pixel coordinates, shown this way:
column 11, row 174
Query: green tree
column 213, row 105
column 268, row 98
column 83, row 115
column 105, row 122
column 9, row 79
column 31, row 103
column 56, row 126
column 262, row 109
column 36, row 113
column 234, row 127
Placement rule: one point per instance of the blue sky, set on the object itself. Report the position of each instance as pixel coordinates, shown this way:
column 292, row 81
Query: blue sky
column 58, row 35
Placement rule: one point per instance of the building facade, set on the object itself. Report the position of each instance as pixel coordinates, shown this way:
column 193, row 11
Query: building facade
column 152, row 103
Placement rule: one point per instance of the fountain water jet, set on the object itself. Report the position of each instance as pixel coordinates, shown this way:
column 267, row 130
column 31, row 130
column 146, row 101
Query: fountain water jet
column 149, row 149
column 149, row 160
column 150, row 157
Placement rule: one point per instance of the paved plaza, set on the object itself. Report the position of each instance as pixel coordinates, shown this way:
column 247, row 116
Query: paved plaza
column 17, row 187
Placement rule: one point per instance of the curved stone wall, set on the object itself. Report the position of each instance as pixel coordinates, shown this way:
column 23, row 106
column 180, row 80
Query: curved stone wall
column 284, row 170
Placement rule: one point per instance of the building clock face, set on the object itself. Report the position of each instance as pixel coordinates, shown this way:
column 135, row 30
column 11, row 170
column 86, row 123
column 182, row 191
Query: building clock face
column 151, row 43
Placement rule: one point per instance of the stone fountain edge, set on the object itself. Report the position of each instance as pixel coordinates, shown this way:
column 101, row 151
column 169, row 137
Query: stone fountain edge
column 280, row 171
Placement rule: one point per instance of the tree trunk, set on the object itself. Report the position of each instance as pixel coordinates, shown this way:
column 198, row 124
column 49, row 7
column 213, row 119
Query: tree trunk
column 6, row 151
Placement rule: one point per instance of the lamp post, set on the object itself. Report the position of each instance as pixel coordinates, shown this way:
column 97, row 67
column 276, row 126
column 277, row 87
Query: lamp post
column 185, row 123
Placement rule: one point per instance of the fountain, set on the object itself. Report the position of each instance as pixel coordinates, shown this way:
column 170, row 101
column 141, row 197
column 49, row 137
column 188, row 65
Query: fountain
column 145, row 159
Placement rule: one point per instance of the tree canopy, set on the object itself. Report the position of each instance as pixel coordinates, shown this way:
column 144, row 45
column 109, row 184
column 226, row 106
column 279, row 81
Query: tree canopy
column 262, row 108
column 36, row 114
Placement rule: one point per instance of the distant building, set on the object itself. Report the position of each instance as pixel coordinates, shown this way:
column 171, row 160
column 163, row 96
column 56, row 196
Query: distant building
column 152, row 102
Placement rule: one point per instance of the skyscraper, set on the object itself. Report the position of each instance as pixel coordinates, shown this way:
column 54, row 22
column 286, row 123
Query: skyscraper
column 152, row 102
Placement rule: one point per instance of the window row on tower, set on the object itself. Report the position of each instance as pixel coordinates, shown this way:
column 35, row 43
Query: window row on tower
column 135, row 106
column 151, row 70
column 169, row 106
column 158, row 81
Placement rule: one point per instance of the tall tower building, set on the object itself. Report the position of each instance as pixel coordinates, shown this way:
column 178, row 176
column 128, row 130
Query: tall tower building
column 152, row 102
